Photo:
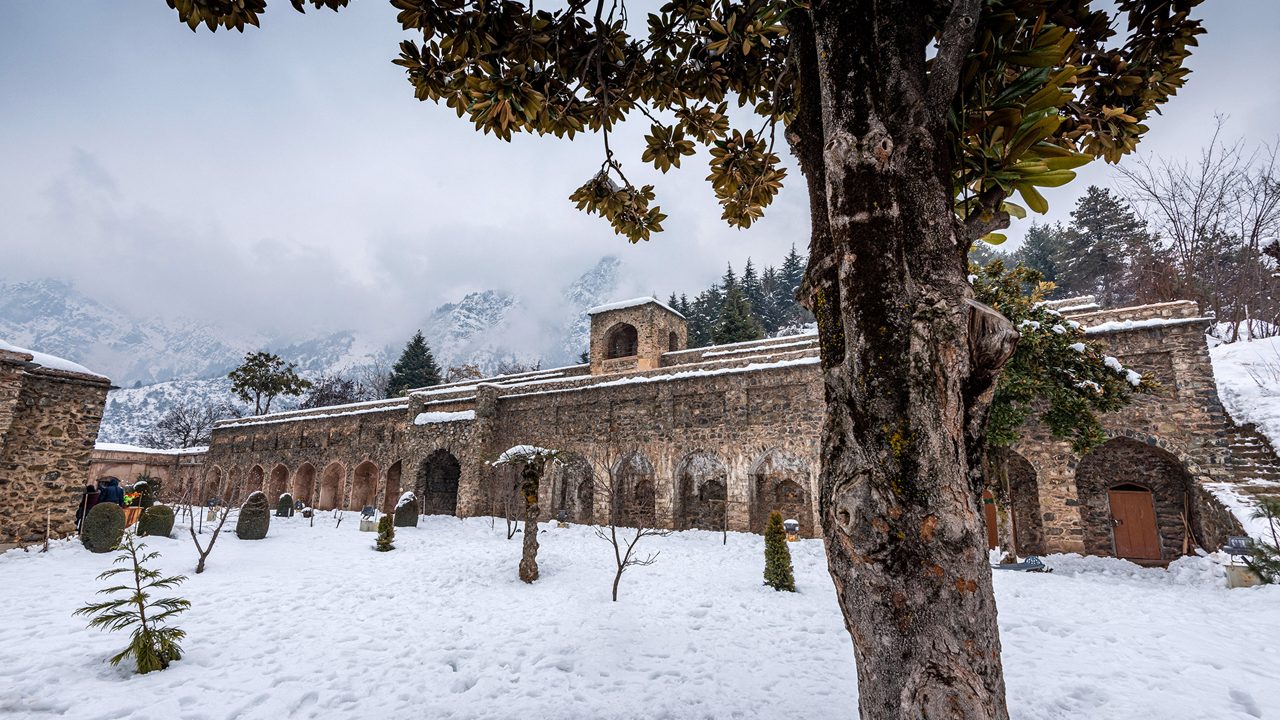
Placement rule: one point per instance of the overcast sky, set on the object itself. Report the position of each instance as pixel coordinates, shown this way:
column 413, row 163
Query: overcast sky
column 286, row 177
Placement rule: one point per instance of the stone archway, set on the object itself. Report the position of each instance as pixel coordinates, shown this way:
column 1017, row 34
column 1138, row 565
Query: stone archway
column 1024, row 506
column 331, row 481
column 621, row 341
column 216, row 485
column 1124, row 461
column 391, row 495
column 278, row 485
column 304, row 482
column 637, row 501
column 573, row 489
column 701, row 481
column 256, row 481
column 437, row 486
column 364, row 485
column 781, row 482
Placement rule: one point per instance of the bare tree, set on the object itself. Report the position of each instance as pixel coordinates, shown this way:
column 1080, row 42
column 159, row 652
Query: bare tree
column 374, row 377
column 462, row 372
column 338, row 389
column 1217, row 217
column 610, row 483
column 188, row 424
column 205, row 550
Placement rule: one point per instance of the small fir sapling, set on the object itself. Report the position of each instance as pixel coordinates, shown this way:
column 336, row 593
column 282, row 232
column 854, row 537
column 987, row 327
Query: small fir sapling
column 777, row 556
column 406, row 513
column 255, row 517
column 156, row 521
column 386, row 534
column 1265, row 560
column 102, row 527
column 153, row 643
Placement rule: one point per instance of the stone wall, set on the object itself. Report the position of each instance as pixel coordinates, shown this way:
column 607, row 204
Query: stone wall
column 171, row 471
column 48, row 424
column 720, row 436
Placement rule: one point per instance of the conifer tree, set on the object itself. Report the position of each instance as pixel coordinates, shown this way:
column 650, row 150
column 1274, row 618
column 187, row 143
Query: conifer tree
column 790, row 277
column 1040, row 249
column 416, row 368
column 153, row 644
column 1093, row 258
column 386, row 534
column 777, row 556
column 753, row 289
column 737, row 324
column 771, row 314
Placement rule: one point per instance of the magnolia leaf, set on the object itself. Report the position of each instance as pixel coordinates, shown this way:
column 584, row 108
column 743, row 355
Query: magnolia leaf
column 994, row 238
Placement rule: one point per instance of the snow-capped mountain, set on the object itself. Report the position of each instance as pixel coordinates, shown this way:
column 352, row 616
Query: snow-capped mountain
column 161, row 363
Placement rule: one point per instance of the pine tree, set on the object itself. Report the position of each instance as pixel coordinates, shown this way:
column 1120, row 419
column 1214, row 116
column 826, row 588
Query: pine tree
column 736, row 323
column 777, row 556
column 790, row 276
column 1040, row 249
column 1092, row 261
column 153, row 645
column 416, row 368
column 772, row 315
column 386, row 534
column 753, row 289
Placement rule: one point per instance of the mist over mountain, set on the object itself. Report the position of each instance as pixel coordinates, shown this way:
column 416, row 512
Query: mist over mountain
column 159, row 362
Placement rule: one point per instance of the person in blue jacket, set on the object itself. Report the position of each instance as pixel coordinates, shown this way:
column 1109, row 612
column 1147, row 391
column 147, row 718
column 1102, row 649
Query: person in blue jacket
column 111, row 492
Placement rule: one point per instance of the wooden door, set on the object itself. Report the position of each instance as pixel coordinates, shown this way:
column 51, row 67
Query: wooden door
column 989, row 512
column 1133, row 523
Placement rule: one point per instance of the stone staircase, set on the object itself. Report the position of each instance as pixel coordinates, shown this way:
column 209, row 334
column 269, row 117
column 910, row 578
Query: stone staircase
column 1254, row 462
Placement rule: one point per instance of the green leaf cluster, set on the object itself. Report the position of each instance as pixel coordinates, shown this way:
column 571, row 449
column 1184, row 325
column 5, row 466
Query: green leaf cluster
column 153, row 644
column 262, row 377
column 1056, row 373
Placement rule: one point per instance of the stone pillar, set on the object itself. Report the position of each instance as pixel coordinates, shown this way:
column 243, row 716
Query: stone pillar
column 1054, row 463
column 476, row 470
column 664, row 485
column 738, row 490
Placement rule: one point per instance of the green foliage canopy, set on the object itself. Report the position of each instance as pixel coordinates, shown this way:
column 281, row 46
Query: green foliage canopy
column 262, row 377
column 1056, row 370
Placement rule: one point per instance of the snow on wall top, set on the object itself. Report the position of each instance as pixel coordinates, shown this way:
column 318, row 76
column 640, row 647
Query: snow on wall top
column 51, row 362
column 121, row 447
column 1119, row 325
column 430, row 418
column 523, row 453
column 633, row 302
column 355, row 408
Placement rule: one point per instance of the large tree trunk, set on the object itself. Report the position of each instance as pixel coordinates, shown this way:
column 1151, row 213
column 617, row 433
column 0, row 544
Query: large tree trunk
column 908, row 364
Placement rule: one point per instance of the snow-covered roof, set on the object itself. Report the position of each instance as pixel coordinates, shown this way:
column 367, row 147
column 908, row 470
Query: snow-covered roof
column 431, row 418
column 121, row 447
column 633, row 302
column 50, row 361
column 682, row 375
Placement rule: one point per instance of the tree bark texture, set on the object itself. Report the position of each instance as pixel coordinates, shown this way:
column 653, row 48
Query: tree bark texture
column 529, row 476
column 909, row 361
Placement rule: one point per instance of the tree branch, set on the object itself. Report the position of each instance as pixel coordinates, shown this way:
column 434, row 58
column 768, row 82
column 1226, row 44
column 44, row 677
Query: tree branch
column 953, row 47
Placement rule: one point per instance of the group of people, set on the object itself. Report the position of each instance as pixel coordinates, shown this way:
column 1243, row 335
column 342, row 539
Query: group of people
column 107, row 490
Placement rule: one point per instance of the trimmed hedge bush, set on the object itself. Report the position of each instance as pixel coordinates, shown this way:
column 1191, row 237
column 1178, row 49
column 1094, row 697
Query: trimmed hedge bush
column 156, row 520
column 103, row 528
column 255, row 517
column 386, row 534
column 407, row 511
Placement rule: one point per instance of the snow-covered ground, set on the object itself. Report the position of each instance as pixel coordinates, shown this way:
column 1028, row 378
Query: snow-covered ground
column 1248, row 375
column 312, row 623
